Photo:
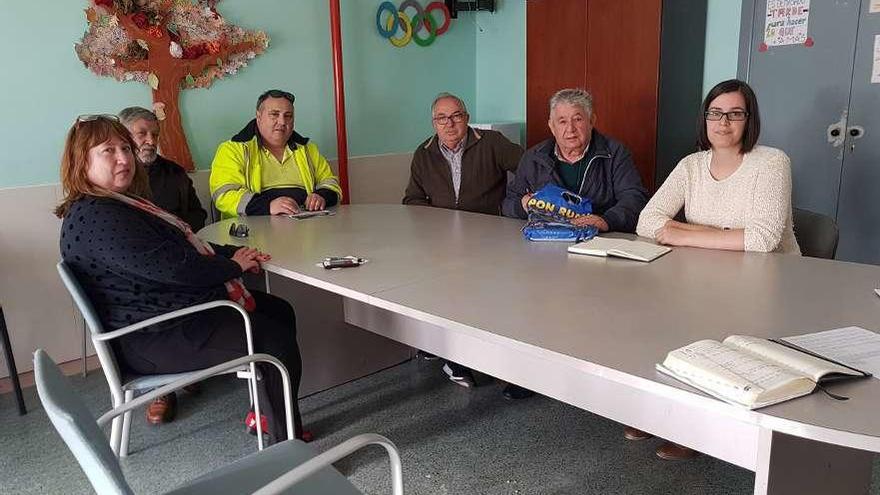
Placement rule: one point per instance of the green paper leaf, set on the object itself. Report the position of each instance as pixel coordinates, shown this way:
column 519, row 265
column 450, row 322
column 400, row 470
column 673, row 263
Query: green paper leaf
column 153, row 81
column 219, row 62
column 190, row 80
column 172, row 28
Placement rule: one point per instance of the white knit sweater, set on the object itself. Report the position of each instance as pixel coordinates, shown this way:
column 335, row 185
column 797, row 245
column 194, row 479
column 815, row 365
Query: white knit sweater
column 756, row 198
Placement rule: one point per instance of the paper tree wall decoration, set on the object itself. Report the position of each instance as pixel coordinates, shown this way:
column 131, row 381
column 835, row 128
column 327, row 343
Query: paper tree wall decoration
column 170, row 45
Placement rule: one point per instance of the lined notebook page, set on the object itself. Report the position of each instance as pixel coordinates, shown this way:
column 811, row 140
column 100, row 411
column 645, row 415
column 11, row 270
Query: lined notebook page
column 853, row 346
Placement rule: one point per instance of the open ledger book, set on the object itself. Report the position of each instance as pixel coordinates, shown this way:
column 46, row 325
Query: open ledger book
column 622, row 248
column 752, row 372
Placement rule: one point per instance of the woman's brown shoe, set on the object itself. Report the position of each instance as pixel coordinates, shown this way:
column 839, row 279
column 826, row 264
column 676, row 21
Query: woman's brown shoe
column 631, row 433
column 162, row 410
column 675, row 452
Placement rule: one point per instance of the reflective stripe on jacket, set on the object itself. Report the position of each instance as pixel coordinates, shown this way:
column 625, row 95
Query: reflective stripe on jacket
column 236, row 174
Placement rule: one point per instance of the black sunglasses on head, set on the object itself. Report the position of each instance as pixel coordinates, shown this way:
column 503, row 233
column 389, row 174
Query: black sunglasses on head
column 238, row 230
column 97, row 116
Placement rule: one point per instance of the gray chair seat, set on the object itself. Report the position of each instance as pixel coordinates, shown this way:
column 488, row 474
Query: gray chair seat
column 140, row 383
column 248, row 474
column 149, row 382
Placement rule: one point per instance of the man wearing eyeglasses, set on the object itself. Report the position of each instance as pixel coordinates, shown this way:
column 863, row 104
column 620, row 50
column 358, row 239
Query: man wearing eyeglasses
column 269, row 169
column 460, row 167
column 171, row 187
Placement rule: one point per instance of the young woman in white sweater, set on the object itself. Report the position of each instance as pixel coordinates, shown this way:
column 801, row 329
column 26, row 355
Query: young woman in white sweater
column 736, row 194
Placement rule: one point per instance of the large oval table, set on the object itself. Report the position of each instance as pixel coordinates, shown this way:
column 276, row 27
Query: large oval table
column 588, row 331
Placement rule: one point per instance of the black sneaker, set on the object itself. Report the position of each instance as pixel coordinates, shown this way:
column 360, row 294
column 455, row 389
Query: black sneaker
column 427, row 356
column 459, row 375
column 515, row 392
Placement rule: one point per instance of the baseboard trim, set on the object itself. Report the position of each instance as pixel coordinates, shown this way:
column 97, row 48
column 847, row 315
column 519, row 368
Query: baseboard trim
column 68, row 368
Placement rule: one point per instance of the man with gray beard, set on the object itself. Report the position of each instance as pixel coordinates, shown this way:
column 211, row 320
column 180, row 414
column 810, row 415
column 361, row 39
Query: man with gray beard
column 171, row 186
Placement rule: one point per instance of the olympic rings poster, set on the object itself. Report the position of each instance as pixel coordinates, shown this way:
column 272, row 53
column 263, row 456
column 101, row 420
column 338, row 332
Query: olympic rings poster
column 422, row 28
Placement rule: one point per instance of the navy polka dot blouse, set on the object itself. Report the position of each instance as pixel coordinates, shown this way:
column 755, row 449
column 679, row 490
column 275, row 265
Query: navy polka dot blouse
column 134, row 265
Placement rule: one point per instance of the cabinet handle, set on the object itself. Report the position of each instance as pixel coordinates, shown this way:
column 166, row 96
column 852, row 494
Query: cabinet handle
column 836, row 131
column 855, row 132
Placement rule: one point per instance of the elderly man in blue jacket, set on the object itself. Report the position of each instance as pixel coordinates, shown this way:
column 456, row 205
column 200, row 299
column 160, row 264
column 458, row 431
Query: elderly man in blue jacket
column 583, row 161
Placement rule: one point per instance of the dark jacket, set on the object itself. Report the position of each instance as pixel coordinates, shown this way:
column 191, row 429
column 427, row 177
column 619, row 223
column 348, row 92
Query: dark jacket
column 612, row 182
column 173, row 191
column 134, row 265
column 486, row 159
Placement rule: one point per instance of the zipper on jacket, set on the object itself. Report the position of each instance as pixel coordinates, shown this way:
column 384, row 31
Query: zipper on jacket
column 247, row 167
column 589, row 164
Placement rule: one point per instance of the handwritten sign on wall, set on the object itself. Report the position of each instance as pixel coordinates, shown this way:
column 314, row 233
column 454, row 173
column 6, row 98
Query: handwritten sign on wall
column 786, row 22
column 875, row 72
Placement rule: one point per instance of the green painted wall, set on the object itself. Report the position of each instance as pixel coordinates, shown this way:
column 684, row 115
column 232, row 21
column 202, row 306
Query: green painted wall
column 388, row 90
column 501, row 63
column 722, row 42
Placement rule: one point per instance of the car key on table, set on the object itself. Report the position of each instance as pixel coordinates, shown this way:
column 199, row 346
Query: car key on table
column 342, row 262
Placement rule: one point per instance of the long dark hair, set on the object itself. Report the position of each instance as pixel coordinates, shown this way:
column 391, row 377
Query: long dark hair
column 753, row 120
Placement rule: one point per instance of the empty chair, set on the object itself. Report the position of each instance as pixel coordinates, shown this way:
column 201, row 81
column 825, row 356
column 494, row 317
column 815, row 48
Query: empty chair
column 124, row 386
column 291, row 467
column 816, row 234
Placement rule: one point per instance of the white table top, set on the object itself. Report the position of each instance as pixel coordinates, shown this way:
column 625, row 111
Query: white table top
column 615, row 316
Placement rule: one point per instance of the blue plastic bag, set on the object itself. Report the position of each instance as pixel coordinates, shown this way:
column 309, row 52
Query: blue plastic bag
column 537, row 230
column 551, row 211
column 558, row 203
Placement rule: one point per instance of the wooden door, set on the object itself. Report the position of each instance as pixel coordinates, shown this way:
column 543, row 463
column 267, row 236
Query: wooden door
column 612, row 49
column 623, row 73
column 556, row 58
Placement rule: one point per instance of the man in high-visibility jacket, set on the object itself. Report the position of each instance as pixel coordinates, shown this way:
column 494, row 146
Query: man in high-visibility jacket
column 268, row 169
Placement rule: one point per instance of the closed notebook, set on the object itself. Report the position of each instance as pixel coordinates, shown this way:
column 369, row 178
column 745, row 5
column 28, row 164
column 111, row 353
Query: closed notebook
column 621, row 248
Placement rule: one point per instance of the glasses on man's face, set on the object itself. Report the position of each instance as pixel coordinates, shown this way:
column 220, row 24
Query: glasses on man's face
column 732, row 116
column 456, row 118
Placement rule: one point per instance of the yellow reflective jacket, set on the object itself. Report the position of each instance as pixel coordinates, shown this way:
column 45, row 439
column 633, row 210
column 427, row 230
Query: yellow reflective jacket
column 236, row 174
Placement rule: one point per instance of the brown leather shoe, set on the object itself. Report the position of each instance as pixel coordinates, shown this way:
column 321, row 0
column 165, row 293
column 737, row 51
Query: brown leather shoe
column 193, row 389
column 675, row 452
column 634, row 434
column 162, row 410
